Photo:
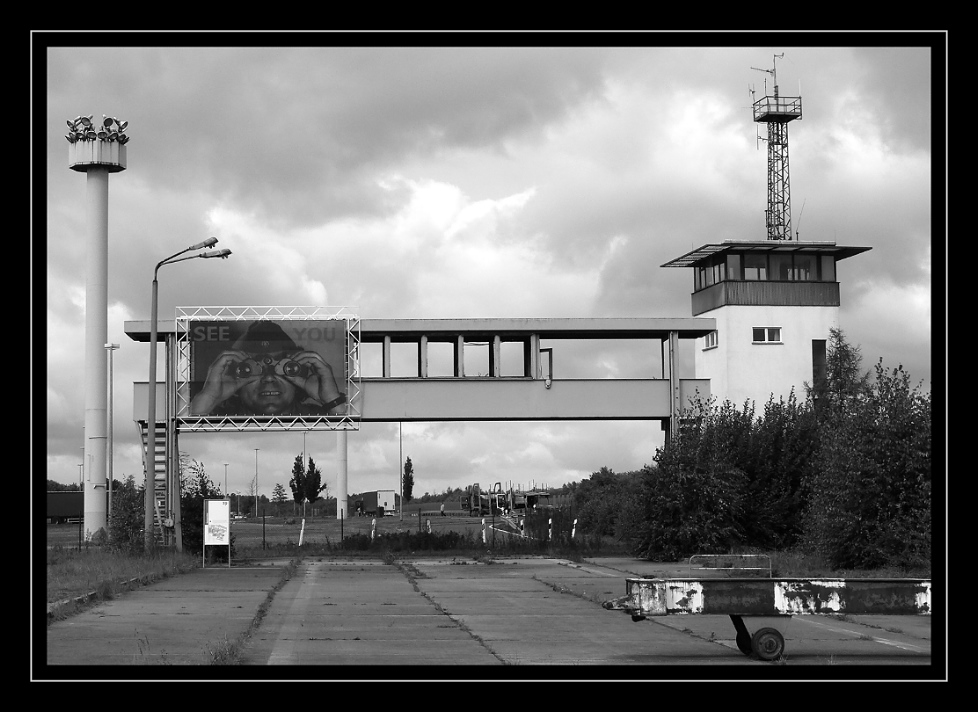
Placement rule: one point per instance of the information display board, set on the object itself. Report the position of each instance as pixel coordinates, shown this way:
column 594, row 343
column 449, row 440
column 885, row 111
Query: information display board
column 217, row 525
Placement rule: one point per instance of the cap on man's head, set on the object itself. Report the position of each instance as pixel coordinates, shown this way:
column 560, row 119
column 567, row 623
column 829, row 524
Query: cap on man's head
column 265, row 337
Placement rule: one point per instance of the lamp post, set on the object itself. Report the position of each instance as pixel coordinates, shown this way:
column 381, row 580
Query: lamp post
column 256, row 483
column 226, row 480
column 110, row 348
column 400, row 468
column 81, row 486
column 151, row 417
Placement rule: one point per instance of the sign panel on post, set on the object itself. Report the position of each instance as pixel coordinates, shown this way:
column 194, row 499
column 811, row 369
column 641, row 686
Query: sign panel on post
column 217, row 524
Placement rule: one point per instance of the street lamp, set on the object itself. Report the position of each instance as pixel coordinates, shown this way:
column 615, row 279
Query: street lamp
column 225, row 479
column 151, row 419
column 110, row 348
column 400, row 467
column 256, row 483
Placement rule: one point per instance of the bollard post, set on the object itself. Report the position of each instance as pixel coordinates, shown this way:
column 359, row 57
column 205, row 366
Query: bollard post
column 373, row 528
column 573, row 528
column 483, row 530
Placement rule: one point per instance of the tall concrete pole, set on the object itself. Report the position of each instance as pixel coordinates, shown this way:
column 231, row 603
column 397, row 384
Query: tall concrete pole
column 96, row 150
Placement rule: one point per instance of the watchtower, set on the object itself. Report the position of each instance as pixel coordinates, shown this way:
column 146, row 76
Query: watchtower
column 775, row 300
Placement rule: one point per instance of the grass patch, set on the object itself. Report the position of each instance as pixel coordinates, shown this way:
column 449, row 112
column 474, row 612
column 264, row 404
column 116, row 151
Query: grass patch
column 76, row 578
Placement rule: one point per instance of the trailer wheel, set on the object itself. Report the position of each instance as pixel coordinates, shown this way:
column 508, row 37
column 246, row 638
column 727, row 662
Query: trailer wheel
column 767, row 644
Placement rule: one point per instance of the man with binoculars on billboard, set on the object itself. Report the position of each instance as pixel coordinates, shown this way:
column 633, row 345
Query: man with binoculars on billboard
column 266, row 373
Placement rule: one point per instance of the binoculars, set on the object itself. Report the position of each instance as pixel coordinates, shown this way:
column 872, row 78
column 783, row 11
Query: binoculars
column 252, row 368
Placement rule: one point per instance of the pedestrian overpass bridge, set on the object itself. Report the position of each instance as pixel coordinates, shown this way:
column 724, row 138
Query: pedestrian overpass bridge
column 470, row 390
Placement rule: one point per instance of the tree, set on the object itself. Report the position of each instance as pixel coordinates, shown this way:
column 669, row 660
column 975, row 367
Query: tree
column 195, row 487
column 694, row 495
column 126, row 523
column 407, row 481
column 298, row 481
column 871, row 494
column 278, row 493
column 313, row 483
column 844, row 381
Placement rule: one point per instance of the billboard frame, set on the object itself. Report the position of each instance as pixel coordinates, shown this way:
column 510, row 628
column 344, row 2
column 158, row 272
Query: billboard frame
column 188, row 422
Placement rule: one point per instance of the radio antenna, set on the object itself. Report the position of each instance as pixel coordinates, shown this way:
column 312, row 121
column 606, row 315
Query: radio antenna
column 777, row 112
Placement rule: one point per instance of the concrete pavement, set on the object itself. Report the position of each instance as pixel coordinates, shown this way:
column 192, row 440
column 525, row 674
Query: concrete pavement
column 339, row 614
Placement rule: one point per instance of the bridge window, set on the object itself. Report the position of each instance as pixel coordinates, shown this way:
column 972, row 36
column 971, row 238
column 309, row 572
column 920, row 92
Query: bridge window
column 477, row 358
column 441, row 358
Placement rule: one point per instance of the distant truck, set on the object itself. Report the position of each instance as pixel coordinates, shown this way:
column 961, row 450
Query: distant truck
column 377, row 504
column 65, row 506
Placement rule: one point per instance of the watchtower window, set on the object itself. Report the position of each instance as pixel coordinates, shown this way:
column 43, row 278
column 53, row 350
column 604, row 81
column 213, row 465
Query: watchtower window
column 755, row 267
column 828, row 268
column 804, row 268
column 733, row 266
column 780, row 267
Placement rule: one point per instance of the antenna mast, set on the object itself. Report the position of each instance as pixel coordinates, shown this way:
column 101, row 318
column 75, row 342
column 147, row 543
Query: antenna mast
column 776, row 111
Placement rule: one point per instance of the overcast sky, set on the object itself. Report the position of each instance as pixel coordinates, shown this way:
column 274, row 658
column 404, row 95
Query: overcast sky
column 436, row 182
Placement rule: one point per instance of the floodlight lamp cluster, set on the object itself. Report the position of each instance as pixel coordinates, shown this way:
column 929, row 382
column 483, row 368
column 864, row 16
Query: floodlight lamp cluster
column 82, row 128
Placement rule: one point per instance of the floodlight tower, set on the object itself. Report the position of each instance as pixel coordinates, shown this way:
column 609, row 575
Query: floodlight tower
column 96, row 149
column 777, row 111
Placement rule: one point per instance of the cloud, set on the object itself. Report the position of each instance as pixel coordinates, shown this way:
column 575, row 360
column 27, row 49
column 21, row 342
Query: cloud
column 425, row 182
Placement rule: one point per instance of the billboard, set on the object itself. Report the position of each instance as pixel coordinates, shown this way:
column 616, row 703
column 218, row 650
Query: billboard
column 268, row 367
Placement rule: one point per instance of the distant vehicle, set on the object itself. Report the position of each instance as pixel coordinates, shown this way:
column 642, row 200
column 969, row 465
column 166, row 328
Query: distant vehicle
column 377, row 503
column 239, row 516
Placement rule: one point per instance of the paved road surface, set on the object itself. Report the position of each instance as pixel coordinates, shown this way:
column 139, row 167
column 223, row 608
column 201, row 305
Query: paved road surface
column 337, row 618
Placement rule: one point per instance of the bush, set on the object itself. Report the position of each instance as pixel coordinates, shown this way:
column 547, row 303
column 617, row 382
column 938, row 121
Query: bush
column 871, row 497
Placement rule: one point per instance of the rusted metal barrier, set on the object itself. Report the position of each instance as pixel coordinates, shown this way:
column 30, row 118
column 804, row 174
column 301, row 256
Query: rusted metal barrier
column 731, row 562
column 745, row 597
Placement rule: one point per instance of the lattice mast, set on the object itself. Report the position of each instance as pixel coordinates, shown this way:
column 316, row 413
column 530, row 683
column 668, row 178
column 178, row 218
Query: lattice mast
column 776, row 111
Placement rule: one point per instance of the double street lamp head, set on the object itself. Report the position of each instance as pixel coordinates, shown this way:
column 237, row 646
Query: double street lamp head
column 223, row 254
column 209, row 242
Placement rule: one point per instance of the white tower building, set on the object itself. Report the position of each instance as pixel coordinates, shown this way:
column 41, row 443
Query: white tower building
column 774, row 303
column 774, row 300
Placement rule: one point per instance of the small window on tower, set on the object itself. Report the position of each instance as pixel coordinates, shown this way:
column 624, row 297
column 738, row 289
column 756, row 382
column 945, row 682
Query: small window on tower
column 767, row 334
column 711, row 341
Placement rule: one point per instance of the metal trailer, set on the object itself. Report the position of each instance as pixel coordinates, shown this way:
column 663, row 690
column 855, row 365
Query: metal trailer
column 741, row 598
